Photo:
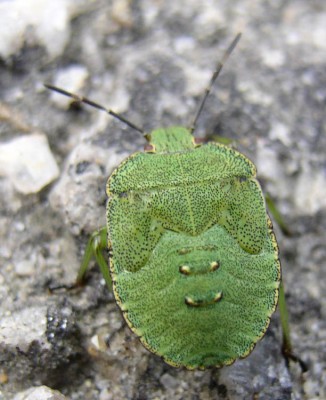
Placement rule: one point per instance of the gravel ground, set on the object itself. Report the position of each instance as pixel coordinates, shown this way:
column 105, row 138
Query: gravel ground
column 151, row 61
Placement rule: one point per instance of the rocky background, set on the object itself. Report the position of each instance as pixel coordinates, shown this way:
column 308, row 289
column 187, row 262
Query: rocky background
column 151, row 60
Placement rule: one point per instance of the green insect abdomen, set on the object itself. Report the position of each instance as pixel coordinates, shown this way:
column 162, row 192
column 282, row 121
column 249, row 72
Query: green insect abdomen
column 194, row 259
column 200, row 301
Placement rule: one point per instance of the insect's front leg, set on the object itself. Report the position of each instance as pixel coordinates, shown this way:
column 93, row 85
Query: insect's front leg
column 97, row 243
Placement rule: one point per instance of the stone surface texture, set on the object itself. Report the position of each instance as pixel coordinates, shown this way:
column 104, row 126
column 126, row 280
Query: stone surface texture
column 151, row 61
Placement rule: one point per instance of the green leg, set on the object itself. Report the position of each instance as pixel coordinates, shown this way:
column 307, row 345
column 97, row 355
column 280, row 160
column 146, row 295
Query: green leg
column 95, row 246
column 277, row 215
column 284, row 315
column 287, row 346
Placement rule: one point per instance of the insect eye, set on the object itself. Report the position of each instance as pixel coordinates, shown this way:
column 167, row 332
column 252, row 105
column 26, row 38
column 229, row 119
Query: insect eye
column 149, row 148
column 199, row 141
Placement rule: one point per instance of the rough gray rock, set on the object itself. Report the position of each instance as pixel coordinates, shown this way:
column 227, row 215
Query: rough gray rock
column 151, row 61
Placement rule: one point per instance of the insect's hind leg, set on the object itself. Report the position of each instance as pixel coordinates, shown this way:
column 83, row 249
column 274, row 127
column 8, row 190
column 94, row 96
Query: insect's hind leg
column 287, row 345
column 97, row 243
column 284, row 315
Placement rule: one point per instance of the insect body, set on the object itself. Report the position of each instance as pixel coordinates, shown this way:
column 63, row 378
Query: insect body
column 193, row 257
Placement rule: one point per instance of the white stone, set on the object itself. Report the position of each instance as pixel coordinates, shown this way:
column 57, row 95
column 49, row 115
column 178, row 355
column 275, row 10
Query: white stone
column 28, row 162
column 281, row 132
column 21, row 328
column 34, row 22
column 26, row 267
column 76, row 195
column 273, row 58
column 39, row 393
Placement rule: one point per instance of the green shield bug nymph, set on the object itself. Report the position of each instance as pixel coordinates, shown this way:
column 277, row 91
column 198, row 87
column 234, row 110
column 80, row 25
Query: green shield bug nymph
column 193, row 258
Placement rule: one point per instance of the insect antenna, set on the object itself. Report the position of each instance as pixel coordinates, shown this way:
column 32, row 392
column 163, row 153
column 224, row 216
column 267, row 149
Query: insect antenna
column 213, row 79
column 82, row 99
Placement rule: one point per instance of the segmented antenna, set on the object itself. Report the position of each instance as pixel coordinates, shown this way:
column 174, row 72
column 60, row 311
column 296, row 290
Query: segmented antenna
column 213, row 79
column 82, row 99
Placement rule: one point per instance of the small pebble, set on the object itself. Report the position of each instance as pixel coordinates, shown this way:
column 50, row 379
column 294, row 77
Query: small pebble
column 28, row 162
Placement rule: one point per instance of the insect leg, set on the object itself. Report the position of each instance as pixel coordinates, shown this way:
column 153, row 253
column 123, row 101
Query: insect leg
column 277, row 215
column 95, row 246
column 284, row 315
